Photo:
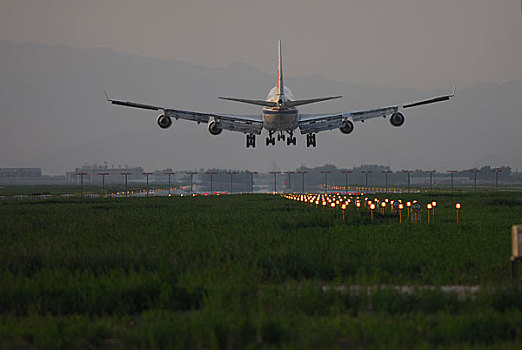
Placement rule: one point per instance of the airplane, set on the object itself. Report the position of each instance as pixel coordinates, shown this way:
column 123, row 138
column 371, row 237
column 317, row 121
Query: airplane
column 280, row 115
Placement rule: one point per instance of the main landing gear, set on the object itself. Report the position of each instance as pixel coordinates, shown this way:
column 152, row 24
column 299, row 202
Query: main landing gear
column 310, row 140
column 290, row 140
column 251, row 140
column 270, row 140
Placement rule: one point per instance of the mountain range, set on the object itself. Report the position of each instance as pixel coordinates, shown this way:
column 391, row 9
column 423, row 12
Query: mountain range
column 54, row 116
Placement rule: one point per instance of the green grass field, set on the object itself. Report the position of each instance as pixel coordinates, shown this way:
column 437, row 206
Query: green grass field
column 256, row 271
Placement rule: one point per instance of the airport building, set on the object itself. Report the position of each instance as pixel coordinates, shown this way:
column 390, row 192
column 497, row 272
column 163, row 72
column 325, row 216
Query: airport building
column 16, row 173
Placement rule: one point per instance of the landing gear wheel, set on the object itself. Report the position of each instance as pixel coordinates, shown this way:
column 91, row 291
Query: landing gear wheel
column 270, row 140
column 311, row 140
column 251, row 140
column 291, row 140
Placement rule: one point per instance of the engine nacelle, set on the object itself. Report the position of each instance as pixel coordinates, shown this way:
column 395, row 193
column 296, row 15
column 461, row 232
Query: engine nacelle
column 347, row 127
column 164, row 121
column 397, row 119
column 214, row 128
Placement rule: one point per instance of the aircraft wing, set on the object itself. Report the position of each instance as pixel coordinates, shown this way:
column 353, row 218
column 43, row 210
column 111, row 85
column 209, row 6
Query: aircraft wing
column 313, row 123
column 241, row 123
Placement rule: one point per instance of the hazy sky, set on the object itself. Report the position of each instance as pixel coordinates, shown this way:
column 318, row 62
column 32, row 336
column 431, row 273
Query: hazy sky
column 420, row 44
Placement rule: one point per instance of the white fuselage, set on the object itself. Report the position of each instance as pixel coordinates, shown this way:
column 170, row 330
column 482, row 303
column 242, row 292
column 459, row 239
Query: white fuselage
column 280, row 118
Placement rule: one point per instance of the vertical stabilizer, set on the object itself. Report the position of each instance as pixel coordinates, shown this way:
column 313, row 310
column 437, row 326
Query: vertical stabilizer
column 280, row 85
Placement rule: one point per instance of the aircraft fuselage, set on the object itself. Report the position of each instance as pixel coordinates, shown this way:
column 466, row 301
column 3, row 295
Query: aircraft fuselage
column 280, row 119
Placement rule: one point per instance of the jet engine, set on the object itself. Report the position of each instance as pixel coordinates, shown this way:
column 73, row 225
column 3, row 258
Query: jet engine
column 214, row 128
column 397, row 119
column 164, row 121
column 347, row 127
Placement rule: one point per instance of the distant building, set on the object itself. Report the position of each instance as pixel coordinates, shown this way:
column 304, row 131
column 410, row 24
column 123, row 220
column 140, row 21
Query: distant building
column 9, row 173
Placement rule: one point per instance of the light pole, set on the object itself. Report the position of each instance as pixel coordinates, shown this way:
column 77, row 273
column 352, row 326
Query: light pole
column 452, row 172
column 252, row 180
column 147, row 175
column 81, row 174
column 431, row 178
column 126, row 188
column 366, row 172
column 211, row 173
column 289, row 179
column 231, row 173
column 409, row 183
column 103, row 181
column 475, row 171
column 191, row 173
column 346, row 172
column 496, row 171
column 275, row 179
column 386, row 172
column 325, row 172
column 169, row 173
column 302, row 179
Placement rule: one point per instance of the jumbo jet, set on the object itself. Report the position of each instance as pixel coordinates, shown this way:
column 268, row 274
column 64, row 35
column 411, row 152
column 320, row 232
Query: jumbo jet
column 280, row 116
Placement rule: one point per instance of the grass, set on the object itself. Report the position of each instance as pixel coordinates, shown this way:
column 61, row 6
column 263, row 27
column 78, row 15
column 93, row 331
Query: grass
column 255, row 271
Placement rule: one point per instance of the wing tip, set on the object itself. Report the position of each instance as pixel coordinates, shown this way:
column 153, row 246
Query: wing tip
column 454, row 90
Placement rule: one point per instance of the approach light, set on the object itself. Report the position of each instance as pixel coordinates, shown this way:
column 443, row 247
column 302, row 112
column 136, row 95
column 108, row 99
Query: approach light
column 372, row 207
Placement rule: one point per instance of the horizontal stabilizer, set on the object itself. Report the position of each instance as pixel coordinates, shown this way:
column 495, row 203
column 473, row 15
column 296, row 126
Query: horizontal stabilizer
column 308, row 101
column 252, row 102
